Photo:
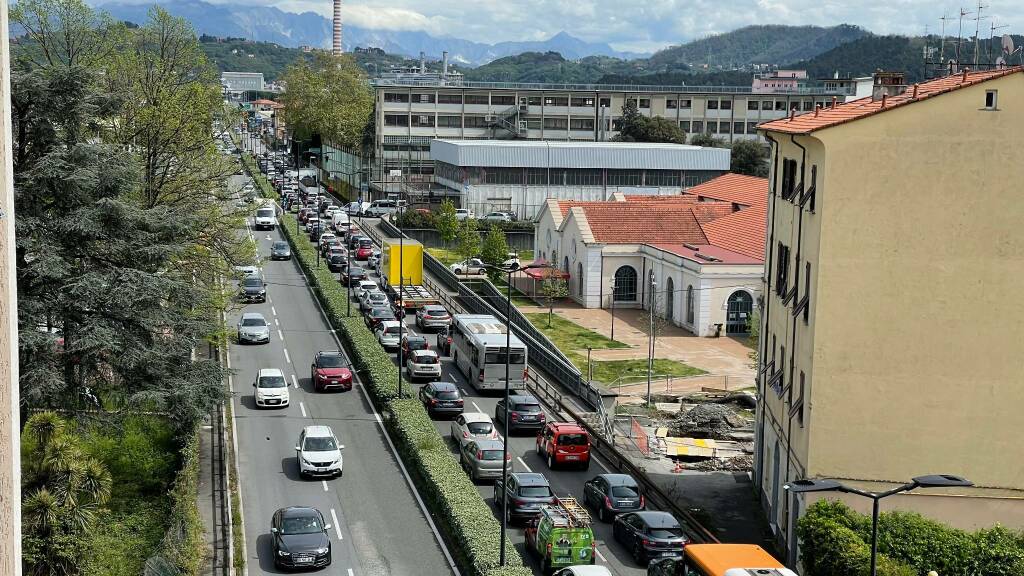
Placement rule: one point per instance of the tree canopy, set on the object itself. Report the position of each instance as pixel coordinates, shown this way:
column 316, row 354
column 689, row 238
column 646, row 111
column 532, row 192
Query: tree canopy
column 635, row 127
column 330, row 97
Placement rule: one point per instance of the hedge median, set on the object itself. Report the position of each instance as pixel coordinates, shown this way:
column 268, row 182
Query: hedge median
column 456, row 505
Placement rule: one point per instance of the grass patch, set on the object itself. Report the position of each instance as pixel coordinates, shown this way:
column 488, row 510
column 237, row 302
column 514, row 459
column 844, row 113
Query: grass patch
column 569, row 336
column 631, row 371
column 446, row 256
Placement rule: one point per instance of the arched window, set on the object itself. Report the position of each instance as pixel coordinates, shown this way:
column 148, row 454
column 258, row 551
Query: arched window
column 740, row 306
column 565, row 264
column 625, row 284
column 670, row 290
column 579, row 279
column 689, row 304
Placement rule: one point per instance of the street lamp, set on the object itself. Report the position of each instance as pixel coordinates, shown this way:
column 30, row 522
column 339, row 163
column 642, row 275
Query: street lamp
column 401, row 304
column 613, row 308
column 650, row 339
column 825, row 485
column 508, row 356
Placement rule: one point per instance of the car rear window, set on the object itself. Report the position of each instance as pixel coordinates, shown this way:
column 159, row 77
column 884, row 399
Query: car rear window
column 365, row 243
column 534, row 491
column 666, row 532
column 392, row 329
column 417, row 343
column 480, row 427
column 426, row 359
column 435, row 311
column 491, row 455
column 624, row 492
column 572, row 439
column 526, row 407
column 448, row 395
column 254, row 322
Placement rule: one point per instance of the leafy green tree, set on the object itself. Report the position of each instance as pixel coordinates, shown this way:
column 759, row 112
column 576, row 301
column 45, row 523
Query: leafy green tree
column 494, row 251
column 750, row 157
column 447, row 223
column 329, row 96
column 553, row 288
column 635, row 127
column 468, row 240
column 707, row 141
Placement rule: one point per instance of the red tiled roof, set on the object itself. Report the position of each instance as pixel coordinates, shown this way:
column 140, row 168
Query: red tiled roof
column 864, row 107
column 738, row 188
column 635, row 223
column 722, row 255
column 741, row 232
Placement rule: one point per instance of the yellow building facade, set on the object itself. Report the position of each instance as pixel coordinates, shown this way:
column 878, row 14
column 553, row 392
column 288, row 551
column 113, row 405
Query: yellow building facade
column 892, row 342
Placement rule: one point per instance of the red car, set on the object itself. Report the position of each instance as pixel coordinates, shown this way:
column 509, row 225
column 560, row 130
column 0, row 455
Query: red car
column 564, row 443
column 365, row 249
column 330, row 370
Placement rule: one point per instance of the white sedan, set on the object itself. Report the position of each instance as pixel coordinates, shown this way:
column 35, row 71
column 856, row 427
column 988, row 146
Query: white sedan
column 472, row 426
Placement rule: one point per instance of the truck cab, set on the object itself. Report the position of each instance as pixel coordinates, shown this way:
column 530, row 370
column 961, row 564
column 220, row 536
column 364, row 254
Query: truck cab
column 561, row 536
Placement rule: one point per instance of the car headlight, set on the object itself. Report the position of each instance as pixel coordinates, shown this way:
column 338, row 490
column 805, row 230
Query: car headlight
column 283, row 553
column 306, row 462
column 322, row 550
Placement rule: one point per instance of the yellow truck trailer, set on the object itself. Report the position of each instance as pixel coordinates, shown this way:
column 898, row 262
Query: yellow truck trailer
column 404, row 259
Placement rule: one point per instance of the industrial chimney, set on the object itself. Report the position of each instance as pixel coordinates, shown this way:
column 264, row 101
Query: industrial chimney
column 423, row 62
column 336, row 47
column 444, row 64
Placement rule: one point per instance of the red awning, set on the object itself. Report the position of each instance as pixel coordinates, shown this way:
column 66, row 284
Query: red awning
column 545, row 273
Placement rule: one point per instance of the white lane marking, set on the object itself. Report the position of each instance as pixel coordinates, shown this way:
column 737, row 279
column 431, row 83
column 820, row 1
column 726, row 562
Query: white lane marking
column 599, row 555
column 273, row 311
column 475, row 406
column 286, row 357
column 295, row 382
column 302, row 407
column 523, row 463
column 276, row 322
column 464, row 393
column 280, row 335
column 337, row 527
column 325, row 485
column 350, row 572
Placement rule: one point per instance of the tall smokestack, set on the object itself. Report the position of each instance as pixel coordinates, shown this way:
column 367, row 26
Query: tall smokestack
column 444, row 63
column 423, row 62
column 336, row 47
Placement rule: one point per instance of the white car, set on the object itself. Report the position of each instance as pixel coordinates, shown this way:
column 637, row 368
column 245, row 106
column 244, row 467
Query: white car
column 356, row 208
column 340, row 221
column 364, row 286
column 372, row 299
column 423, row 364
column 583, row 570
column 311, row 223
column 387, row 333
column 471, row 426
column 326, row 238
column 318, row 452
column 496, row 217
column 464, row 213
column 381, row 207
column 511, row 261
column 471, row 266
column 271, row 388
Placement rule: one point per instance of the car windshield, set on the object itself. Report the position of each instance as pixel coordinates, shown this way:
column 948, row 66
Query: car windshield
column 382, row 313
column 301, row 525
column 252, row 282
column 377, row 297
column 355, row 272
column 624, row 491
column 254, row 322
column 319, row 444
column 280, row 245
column 666, row 532
column 331, row 361
column 491, row 455
column 265, row 212
column 535, row 491
column 480, row 427
column 273, row 382
column 448, row 394
column 572, row 439
column 526, row 407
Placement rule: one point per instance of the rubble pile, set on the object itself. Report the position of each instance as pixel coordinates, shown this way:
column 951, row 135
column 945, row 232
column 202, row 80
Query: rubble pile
column 713, row 421
column 741, row 463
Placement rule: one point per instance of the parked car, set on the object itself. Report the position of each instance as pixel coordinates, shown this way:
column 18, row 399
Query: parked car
column 330, row 370
column 471, row 266
column 611, row 494
column 464, row 213
column 336, row 262
column 300, row 538
column 524, row 413
column 354, row 239
column 423, row 364
column 364, row 249
column 280, row 250
column 271, row 388
column 525, row 493
column 374, row 316
column 470, row 426
column 387, row 333
column 364, row 285
column 441, row 398
column 372, row 299
column 352, row 275
column 414, row 342
column 481, row 459
column 432, row 316
column 563, row 443
column 496, row 217
column 379, row 208
column 318, row 452
column 511, row 261
column 650, row 534
column 253, row 327
column 252, row 289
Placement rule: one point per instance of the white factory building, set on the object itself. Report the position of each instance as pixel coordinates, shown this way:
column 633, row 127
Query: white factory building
column 521, row 175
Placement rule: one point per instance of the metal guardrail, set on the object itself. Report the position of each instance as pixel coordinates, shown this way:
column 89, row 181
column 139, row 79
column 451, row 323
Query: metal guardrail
column 637, row 88
column 493, row 295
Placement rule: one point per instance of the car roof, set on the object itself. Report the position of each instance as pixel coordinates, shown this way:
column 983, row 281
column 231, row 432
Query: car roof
column 476, row 417
column 567, row 427
column 330, row 353
column 298, row 511
column 267, row 372
column 416, row 337
column 443, row 386
column 390, row 323
column 318, row 431
column 658, row 519
column 424, row 353
column 523, row 398
column 253, row 316
column 590, row 571
column 618, row 479
column 488, row 444
column 531, row 479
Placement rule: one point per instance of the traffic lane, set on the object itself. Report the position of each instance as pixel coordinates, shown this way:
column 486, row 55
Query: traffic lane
column 387, row 527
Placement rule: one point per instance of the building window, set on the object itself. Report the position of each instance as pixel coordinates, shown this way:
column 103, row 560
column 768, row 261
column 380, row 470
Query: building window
column 645, row 102
column 698, row 126
column 449, row 98
column 807, row 293
column 689, row 305
column 671, row 104
column 991, row 99
column 605, row 102
column 477, row 99
column 536, row 176
column 556, row 123
column 726, row 105
column 737, row 127
column 423, row 98
column 625, row 284
column 422, row 121
column 712, row 104
column 396, row 120
column 782, row 270
column 751, row 127
column 800, row 400
column 533, row 101
column 395, row 97
column 670, row 293
column 579, row 279
column 449, row 122
column 624, row 177
column 814, row 187
column 780, row 105
column 684, row 104
column 476, row 121
column 503, row 100
column 556, row 101
column 788, row 178
column 807, row 105
column 663, row 178
column 584, row 102
column 752, row 105
column 581, row 123
column 684, row 125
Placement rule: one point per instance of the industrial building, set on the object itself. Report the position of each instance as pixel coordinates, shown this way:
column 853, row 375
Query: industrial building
column 237, row 82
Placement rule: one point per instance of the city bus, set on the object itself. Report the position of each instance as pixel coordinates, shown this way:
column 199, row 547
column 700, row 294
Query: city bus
column 478, row 349
column 720, row 560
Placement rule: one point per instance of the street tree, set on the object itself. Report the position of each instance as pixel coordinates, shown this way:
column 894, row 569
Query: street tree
column 446, row 222
column 468, row 240
column 494, row 251
column 553, row 287
column 750, row 157
column 329, row 96
column 707, row 141
column 635, row 127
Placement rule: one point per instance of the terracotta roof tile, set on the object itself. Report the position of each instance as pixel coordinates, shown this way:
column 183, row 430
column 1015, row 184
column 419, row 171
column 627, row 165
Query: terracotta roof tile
column 742, row 232
column 864, row 107
column 738, row 188
column 618, row 223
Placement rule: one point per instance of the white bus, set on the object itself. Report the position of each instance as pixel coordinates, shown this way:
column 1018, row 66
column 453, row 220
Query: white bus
column 478, row 348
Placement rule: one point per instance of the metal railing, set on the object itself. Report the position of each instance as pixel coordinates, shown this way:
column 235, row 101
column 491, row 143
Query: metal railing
column 496, row 298
column 636, row 88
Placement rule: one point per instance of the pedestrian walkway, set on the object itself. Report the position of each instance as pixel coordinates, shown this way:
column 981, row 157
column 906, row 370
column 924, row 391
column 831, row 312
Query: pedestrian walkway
column 215, row 533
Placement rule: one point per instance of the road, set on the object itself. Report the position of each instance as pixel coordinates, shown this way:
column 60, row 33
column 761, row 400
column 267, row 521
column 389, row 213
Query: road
column 379, row 528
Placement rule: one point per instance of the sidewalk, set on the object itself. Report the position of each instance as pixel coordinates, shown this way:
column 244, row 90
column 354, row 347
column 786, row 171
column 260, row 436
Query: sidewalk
column 215, row 560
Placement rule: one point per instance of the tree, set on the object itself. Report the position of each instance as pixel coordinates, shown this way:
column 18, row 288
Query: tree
column 754, row 335
column 635, row 127
column 750, row 157
column 552, row 288
column 707, row 141
column 468, row 240
column 494, row 250
column 329, row 96
column 447, row 223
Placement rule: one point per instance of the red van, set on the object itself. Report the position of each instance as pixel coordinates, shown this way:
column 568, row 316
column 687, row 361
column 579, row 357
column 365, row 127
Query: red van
column 564, row 443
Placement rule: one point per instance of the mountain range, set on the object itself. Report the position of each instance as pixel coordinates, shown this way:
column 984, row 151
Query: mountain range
column 269, row 24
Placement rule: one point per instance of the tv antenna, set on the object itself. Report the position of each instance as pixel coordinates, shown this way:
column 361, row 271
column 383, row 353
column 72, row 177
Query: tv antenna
column 977, row 30
column 960, row 34
column 991, row 38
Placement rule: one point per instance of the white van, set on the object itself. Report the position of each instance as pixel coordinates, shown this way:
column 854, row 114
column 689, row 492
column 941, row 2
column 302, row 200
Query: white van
column 381, row 207
column 356, row 208
column 266, row 217
column 340, row 221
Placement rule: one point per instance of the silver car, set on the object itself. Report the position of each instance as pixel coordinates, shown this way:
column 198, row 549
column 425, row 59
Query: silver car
column 253, row 327
column 433, row 316
column 481, row 459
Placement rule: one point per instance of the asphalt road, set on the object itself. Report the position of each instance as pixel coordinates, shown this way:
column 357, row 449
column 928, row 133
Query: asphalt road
column 378, row 526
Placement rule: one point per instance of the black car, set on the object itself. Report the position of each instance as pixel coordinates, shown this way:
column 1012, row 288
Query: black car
column 526, row 493
column 650, row 534
column 336, row 263
column 300, row 538
column 352, row 275
column 524, row 413
column 253, row 289
column 441, row 398
column 280, row 251
column 375, row 316
column 611, row 494
column 354, row 239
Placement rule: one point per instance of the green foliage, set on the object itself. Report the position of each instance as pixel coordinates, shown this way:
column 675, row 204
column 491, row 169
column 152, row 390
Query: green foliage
column 635, row 127
column 415, row 219
column 707, row 141
column 553, row 288
column 835, row 540
column 494, row 251
column 329, row 96
column 446, row 222
column 750, row 157
column 468, row 240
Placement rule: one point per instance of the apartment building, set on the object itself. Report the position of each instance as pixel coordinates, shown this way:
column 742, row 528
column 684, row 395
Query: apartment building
column 890, row 344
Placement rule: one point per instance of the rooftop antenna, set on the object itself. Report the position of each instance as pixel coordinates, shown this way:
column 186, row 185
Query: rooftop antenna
column 977, row 30
column 960, row 35
column 991, row 38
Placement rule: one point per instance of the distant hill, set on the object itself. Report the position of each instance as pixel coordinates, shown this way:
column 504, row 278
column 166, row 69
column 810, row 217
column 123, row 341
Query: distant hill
column 548, row 67
column 768, row 44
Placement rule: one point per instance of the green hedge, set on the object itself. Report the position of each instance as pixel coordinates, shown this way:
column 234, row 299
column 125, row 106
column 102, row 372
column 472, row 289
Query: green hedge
column 836, row 540
column 185, row 544
column 454, row 501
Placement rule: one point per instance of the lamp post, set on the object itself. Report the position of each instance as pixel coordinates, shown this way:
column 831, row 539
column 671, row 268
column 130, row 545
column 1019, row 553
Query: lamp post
column 650, row 338
column 508, row 368
column 613, row 308
column 931, row 481
column 401, row 305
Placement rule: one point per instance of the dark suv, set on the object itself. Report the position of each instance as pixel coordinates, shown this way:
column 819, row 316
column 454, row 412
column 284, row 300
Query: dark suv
column 526, row 493
column 441, row 398
column 524, row 413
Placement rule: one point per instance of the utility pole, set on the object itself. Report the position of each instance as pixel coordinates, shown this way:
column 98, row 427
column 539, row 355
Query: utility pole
column 10, row 443
column 977, row 32
column 650, row 339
